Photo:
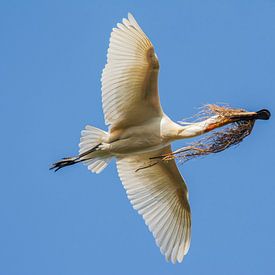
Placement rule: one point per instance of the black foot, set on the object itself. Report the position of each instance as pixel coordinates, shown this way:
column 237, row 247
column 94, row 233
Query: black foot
column 73, row 160
column 63, row 163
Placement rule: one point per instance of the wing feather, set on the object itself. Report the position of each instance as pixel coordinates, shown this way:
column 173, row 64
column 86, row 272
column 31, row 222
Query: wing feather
column 159, row 194
column 129, row 79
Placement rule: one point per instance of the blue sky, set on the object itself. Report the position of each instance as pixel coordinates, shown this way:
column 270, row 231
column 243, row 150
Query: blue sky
column 76, row 222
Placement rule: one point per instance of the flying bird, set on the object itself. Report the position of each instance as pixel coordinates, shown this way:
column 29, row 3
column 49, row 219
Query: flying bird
column 140, row 134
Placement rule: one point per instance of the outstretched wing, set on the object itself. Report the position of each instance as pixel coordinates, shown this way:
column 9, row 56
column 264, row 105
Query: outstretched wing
column 130, row 77
column 158, row 192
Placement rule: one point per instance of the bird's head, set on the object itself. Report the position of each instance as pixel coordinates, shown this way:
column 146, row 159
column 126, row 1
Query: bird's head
column 236, row 125
column 228, row 115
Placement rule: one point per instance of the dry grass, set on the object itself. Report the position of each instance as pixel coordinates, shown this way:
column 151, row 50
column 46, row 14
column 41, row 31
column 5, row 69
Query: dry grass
column 218, row 140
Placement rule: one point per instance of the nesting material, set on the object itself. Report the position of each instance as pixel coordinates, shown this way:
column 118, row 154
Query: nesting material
column 218, row 140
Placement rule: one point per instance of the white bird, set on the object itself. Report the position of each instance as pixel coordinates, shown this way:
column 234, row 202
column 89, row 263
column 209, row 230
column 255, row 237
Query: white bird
column 138, row 132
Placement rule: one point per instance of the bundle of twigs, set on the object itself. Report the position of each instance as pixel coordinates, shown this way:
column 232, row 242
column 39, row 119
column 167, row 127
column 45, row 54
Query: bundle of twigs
column 216, row 141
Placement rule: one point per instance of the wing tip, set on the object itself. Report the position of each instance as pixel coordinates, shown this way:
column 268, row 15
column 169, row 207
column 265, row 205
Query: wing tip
column 130, row 16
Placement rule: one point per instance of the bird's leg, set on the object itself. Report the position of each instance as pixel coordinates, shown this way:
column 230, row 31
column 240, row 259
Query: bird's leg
column 64, row 162
column 72, row 160
column 147, row 166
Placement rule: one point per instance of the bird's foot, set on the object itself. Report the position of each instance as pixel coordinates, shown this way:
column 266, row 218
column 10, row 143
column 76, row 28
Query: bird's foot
column 64, row 162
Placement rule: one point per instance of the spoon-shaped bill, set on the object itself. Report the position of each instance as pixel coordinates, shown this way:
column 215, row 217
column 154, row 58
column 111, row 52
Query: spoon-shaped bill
column 263, row 114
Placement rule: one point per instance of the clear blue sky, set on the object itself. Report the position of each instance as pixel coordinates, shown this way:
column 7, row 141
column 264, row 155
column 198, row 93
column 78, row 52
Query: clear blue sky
column 75, row 222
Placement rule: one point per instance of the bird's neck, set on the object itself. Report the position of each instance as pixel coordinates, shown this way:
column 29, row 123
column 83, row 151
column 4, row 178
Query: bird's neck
column 171, row 131
column 198, row 128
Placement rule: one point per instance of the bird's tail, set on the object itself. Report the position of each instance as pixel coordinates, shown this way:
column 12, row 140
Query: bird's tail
column 90, row 152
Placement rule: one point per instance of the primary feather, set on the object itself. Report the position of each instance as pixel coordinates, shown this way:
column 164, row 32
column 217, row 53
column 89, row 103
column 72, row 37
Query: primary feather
column 129, row 79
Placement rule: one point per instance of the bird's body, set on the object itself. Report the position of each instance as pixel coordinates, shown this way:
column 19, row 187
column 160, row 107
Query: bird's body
column 149, row 136
column 140, row 132
column 131, row 140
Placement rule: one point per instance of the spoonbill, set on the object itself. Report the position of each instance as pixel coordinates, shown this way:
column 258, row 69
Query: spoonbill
column 139, row 137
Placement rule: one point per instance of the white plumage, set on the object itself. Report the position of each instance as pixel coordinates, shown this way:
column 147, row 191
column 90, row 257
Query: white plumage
column 130, row 97
column 131, row 66
column 160, row 195
column 139, row 131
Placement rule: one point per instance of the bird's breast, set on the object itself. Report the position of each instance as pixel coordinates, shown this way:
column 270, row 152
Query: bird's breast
column 141, row 138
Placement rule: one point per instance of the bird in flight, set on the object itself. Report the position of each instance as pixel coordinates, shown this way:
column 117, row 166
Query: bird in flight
column 140, row 134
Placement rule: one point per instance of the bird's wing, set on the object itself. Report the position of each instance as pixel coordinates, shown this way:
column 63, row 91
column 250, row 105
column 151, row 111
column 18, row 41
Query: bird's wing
column 130, row 77
column 158, row 192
